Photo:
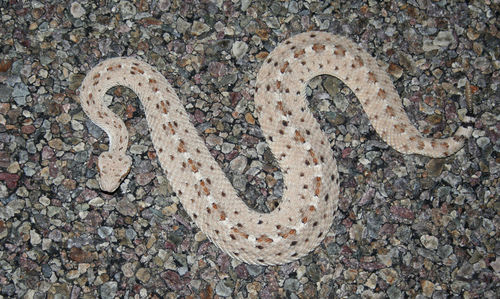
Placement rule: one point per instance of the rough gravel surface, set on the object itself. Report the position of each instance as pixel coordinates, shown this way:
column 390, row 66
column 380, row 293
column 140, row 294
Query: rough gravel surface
column 407, row 226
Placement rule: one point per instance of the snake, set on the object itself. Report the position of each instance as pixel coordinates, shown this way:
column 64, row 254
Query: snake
column 302, row 150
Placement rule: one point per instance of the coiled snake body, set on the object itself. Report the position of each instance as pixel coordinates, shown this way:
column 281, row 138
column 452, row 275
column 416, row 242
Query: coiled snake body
column 310, row 197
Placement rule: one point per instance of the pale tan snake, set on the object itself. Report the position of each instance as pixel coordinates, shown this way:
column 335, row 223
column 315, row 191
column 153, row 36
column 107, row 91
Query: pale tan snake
column 304, row 216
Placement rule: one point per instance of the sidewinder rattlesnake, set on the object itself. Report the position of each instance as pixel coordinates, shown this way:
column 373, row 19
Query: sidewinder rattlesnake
column 304, row 216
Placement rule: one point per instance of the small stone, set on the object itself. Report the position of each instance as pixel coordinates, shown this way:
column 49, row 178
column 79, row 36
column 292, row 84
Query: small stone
column 128, row 270
column 445, row 251
column 13, row 167
column 371, row 282
column 239, row 49
column 245, row 4
column 46, row 270
column 5, row 93
column 394, row 293
column 356, row 231
column 130, row 233
column 58, row 290
column 238, row 164
column 108, row 289
column 222, row 289
column 96, row 202
column 80, row 256
column 395, row 70
column 437, row 73
column 429, row 242
column 35, row 238
column 350, row 275
column 77, row 11
column 254, row 270
column 72, row 274
column 143, row 275
column 200, row 236
column 143, row 179
column 19, row 94
column 104, row 231
column 482, row 142
column 291, row 285
column 427, row 288
column 199, row 28
column 56, row 144
column 169, row 210
column 429, row 46
column 435, row 167
column 253, row 289
column 249, row 118
column 182, row 26
column 472, row 34
column 443, row 39
column 389, row 275
column 466, row 270
column 127, row 10
column 126, row 208
column 496, row 265
column 138, row 149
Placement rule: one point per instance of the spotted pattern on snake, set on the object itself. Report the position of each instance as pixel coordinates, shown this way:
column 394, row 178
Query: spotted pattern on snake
column 302, row 150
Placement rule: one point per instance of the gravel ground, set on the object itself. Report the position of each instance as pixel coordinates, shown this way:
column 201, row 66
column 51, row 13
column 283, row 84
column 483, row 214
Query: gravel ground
column 407, row 226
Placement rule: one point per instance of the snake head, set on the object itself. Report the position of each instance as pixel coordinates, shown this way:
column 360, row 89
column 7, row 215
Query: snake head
column 113, row 168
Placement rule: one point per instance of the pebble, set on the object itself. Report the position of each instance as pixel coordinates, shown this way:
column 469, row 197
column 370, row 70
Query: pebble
column 238, row 164
column 182, row 26
column 389, row 275
column 427, row 287
column 239, row 49
column 222, row 289
column 198, row 28
column 443, row 39
column 291, row 285
column 127, row 9
column 126, row 208
column 77, row 10
column 108, row 290
column 143, row 275
column 483, row 142
column 429, row 242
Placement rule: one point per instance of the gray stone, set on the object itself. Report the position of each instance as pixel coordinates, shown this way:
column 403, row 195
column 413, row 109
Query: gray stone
column 444, row 251
column 199, row 28
column 291, row 284
column 46, row 271
column 104, row 231
column 222, row 289
column 238, row 164
column 77, row 10
column 127, row 9
column 245, row 4
column 429, row 242
column 5, row 93
column 108, row 289
column 443, row 39
column 130, row 234
column 482, row 142
column 394, row 293
column 239, row 49
column 182, row 26
column 126, row 208
column 19, row 93
column 254, row 270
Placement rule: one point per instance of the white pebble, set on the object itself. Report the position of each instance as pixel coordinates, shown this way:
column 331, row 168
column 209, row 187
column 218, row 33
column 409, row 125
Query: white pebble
column 77, row 10
column 239, row 49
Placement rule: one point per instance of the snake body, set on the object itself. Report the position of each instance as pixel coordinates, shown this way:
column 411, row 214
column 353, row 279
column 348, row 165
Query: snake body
column 302, row 150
